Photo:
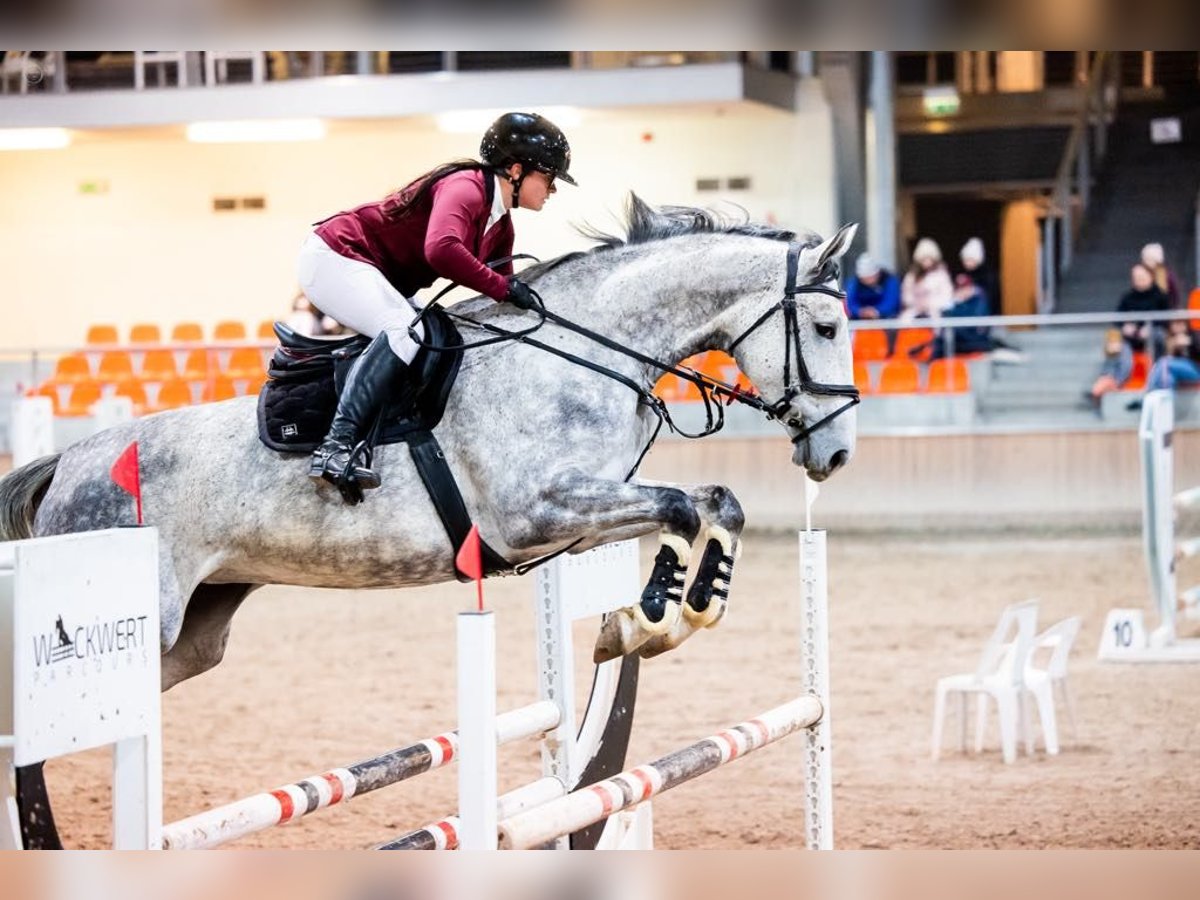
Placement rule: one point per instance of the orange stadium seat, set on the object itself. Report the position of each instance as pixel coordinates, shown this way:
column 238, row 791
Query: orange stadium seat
column 102, row 334
column 948, row 376
column 266, row 330
column 1194, row 303
column 862, row 377
column 229, row 330
column 254, row 385
column 219, row 388
column 72, row 368
column 187, row 331
column 244, row 362
column 910, row 338
column 136, row 392
column 116, row 367
column 159, row 365
column 1141, row 369
column 81, row 398
column 899, row 376
column 870, row 346
column 145, row 333
column 197, row 365
column 172, row 394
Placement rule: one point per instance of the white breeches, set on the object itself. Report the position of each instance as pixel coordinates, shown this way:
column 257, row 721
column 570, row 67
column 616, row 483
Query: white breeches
column 356, row 294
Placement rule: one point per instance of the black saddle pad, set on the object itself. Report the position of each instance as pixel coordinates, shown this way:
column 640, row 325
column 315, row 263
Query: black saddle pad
column 305, row 377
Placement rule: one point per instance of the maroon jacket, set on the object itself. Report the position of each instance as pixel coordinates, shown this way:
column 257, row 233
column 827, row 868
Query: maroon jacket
column 443, row 236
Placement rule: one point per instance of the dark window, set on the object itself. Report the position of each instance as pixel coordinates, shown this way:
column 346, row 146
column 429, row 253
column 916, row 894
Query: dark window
column 1176, row 68
column 475, row 60
column 1131, row 68
column 738, row 183
column 945, row 65
column 910, row 68
column 1059, row 67
column 708, row 184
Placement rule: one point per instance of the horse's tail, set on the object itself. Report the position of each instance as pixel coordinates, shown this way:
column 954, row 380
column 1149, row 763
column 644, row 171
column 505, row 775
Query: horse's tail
column 21, row 493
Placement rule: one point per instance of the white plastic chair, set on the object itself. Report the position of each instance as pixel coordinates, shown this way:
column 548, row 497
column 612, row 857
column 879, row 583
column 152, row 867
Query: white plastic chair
column 999, row 676
column 1042, row 683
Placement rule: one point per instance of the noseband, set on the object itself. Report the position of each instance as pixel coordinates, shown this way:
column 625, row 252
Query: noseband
column 804, row 383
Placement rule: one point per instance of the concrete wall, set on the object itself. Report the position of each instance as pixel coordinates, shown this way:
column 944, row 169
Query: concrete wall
column 1087, row 479
column 151, row 248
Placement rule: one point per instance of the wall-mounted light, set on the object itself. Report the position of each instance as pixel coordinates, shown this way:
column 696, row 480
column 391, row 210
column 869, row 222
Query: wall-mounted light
column 941, row 101
column 34, row 138
column 256, row 132
column 476, row 121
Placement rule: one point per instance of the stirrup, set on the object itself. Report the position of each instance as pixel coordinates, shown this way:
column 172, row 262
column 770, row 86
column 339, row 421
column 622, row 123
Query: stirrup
column 325, row 466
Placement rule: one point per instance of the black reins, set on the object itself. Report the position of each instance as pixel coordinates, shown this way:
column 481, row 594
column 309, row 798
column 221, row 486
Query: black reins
column 711, row 390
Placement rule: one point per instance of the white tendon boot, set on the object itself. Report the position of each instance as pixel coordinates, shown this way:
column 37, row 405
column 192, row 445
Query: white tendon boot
column 625, row 630
column 716, row 569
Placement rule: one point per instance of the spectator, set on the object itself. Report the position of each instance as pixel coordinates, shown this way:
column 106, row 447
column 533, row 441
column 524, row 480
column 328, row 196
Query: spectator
column 308, row 320
column 926, row 289
column 1115, row 370
column 969, row 300
column 874, row 292
column 1155, row 260
column 975, row 266
column 1143, row 296
column 1180, row 365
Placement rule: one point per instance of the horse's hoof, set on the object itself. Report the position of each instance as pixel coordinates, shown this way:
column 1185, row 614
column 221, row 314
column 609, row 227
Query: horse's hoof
column 625, row 630
column 685, row 626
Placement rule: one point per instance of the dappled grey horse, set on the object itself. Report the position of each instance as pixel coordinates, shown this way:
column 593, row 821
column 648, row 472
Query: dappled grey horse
column 543, row 449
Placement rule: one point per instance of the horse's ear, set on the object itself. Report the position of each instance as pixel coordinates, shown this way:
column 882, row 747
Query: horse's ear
column 836, row 246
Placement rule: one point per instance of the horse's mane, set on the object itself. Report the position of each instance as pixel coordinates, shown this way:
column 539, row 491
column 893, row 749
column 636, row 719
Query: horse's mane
column 645, row 224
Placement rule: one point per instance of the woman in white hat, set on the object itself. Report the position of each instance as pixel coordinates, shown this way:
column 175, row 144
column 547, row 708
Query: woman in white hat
column 926, row 289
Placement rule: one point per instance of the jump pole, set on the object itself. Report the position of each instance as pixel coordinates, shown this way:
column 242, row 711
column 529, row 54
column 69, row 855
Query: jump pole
column 818, row 739
column 291, row 802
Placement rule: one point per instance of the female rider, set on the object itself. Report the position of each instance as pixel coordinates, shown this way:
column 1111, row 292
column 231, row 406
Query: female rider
column 363, row 266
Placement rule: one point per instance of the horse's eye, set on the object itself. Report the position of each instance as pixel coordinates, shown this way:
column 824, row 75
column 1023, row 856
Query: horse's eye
column 829, row 332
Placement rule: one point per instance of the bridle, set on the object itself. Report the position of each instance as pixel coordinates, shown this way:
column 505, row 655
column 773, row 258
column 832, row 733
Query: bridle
column 804, row 383
column 712, row 390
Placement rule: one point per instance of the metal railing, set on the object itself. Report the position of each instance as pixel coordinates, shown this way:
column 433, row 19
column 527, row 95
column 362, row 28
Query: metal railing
column 1086, row 145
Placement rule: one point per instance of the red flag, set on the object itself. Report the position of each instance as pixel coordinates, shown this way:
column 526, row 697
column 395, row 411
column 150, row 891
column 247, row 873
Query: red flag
column 125, row 475
column 469, row 561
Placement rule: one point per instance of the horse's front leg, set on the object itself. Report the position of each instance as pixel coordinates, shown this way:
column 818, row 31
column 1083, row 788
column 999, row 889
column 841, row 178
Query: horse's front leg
column 708, row 596
column 582, row 505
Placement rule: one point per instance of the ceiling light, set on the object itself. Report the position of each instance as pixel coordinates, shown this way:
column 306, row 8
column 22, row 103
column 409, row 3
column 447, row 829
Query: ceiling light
column 34, row 138
column 254, row 132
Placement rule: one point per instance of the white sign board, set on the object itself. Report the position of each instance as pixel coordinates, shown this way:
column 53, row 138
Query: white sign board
column 1166, row 130
column 80, row 614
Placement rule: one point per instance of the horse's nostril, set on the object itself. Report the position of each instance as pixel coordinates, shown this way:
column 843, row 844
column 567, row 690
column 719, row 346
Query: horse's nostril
column 838, row 460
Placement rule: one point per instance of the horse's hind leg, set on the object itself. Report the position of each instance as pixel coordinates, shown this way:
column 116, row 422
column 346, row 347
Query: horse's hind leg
column 708, row 595
column 205, row 632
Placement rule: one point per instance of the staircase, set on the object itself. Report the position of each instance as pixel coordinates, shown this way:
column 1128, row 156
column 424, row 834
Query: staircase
column 1145, row 192
column 1048, row 389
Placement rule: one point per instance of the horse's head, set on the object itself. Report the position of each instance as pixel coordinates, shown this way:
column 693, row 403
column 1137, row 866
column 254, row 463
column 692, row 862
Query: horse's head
column 792, row 340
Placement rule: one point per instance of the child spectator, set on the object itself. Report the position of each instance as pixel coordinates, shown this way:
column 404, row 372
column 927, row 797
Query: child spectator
column 926, row 289
column 1115, row 370
column 1143, row 296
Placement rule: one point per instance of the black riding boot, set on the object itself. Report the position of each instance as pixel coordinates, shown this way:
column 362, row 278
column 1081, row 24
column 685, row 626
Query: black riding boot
column 375, row 376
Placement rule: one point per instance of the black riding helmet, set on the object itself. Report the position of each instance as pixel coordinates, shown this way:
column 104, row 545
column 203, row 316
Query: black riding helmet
column 531, row 140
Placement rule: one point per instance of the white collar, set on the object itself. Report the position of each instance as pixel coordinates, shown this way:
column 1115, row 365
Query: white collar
column 498, row 211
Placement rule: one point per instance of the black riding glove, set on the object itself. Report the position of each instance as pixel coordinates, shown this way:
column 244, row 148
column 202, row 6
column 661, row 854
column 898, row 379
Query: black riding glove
column 520, row 294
